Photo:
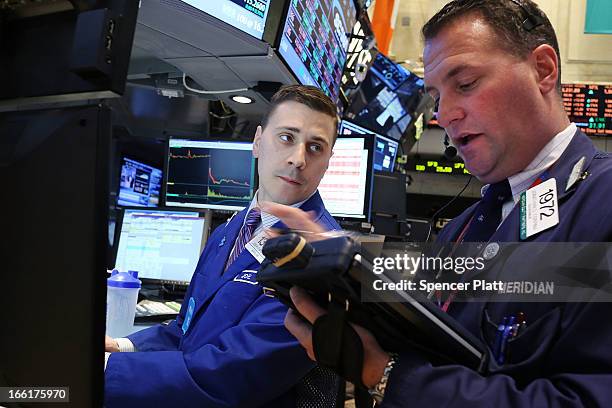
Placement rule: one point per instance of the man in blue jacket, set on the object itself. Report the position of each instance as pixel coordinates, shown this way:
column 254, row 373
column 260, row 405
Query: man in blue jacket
column 493, row 66
column 228, row 346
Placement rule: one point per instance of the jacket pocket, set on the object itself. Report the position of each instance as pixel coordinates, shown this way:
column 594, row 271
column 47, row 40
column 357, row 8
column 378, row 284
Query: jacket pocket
column 531, row 345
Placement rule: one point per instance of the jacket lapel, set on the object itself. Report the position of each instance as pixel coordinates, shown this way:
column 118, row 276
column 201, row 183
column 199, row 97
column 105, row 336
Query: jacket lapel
column 214, row 275
column 216, row 278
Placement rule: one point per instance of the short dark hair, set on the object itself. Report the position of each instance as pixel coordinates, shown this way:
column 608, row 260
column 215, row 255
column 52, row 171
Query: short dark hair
column 310, row 96
column 512, row 21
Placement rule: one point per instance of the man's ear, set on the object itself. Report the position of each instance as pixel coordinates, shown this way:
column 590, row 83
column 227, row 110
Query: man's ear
column 257, row 141
column 547, row 67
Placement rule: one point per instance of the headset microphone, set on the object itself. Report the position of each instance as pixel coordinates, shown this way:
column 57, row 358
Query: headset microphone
column 450, row 152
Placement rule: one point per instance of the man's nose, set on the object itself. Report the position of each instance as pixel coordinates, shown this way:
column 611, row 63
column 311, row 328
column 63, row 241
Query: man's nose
column 449, row 111
column 297, row 157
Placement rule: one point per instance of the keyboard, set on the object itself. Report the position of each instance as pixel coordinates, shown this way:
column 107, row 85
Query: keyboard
column 152, row 311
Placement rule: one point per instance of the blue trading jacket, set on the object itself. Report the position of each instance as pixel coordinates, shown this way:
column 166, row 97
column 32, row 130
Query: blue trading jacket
column 236, row 351
column 564, row 357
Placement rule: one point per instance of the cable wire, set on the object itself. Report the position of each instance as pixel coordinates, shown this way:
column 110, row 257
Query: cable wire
column 201, row 91
column 433, row 217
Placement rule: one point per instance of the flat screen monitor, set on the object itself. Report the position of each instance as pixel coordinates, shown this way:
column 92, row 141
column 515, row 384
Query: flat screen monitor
column 387, row 98
column 248, row 16
column 346, row 187
column 139, row 185
column 385, row 149
column 314, row 41
column 217, row 175
column 161, row 245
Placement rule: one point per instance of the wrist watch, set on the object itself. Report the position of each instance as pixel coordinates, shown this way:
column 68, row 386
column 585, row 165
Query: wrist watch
column 378, row 391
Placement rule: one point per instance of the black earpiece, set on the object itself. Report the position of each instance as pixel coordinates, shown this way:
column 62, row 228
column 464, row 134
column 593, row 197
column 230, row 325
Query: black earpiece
column 450, row 152
column 532, row 21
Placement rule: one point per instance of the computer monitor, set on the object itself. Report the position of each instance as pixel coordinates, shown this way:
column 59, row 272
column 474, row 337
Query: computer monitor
column 387, row 99
column 248, row 16
column 163, row 246
column 385, row 149
column 346, row 187
column 55, row 163
column 139, row 185
column 217, row 175
column 590, row 107
column 314, row 42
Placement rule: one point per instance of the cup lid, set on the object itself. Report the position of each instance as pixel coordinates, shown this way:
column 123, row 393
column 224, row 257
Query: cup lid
column 124, row 279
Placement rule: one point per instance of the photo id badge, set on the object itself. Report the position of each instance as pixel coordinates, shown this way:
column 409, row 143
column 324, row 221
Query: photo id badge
column 539, row 208
column 255, row 245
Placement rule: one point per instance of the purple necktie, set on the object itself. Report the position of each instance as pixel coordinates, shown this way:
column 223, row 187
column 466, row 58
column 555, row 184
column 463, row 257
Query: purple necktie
column 244, row 236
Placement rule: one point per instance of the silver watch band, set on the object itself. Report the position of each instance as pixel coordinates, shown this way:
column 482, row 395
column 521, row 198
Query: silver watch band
column 378, row 391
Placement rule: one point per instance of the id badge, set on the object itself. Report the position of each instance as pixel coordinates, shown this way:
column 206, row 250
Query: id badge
column 539, row 208
column 255, row 246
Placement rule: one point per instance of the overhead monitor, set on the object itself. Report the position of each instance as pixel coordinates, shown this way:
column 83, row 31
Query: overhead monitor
column 139, row 185
column 246, row 15
column 590, row 107
column 161, row 245
column 346, row 187
column 210, row 174
column 63, row 51
column 385, row 149
column 314, row 41
column 387, row 99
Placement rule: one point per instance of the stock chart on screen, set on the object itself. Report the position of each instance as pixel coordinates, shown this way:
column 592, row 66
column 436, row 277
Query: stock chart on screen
column 207, row 174
column 315, row 40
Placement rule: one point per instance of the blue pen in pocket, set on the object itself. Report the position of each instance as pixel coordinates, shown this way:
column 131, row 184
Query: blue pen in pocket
column 507, row 332
column 498, row 338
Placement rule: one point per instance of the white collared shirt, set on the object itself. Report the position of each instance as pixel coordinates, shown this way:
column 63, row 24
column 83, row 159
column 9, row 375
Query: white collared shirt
column 268, row 220
column 521, row 181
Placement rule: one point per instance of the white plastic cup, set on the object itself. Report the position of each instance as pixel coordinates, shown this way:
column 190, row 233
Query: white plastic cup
column 121, row 298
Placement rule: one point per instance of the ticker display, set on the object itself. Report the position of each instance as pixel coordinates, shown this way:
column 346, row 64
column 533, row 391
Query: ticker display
column 590, row 107
column 436, row 166
column 315, row 40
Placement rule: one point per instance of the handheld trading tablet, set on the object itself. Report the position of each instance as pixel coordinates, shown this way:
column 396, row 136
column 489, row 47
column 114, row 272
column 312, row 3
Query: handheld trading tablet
column 336, row 271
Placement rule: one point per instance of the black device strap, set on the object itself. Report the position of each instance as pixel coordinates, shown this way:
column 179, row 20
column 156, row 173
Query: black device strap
column 338, row 346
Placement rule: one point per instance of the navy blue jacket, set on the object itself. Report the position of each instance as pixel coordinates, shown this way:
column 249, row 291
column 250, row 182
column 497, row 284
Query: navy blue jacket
column 564, row 357
column 236, row 351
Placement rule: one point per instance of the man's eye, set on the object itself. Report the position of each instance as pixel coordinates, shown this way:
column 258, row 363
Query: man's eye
column 285, row 138
column 467, row 86
column 316, row 148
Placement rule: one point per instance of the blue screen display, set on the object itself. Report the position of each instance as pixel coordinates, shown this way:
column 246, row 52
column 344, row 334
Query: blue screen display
column 385, row 149
column 246, row 15
column 139, row 185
